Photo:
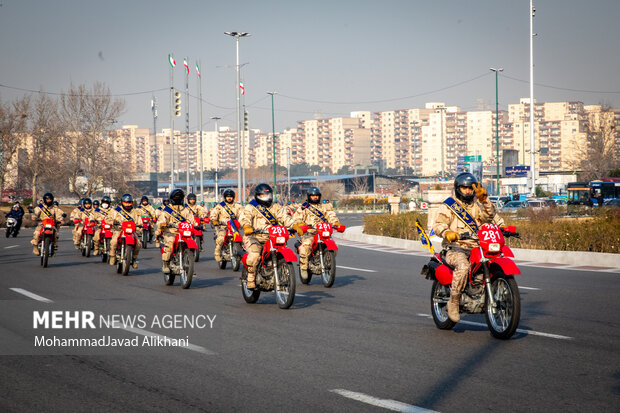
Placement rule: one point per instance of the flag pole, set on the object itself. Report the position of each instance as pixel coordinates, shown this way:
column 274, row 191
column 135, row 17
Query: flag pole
column 171, row 61
column 186, row 125
column 202, row 191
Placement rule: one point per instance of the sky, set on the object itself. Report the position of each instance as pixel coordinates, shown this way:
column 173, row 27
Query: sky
column 323, row 58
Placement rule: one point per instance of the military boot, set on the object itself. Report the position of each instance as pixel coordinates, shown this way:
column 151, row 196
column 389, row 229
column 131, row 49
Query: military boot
column 250, row 283
column 453, row 307
column 165, row 267
column 35, row 250
column 112, row 259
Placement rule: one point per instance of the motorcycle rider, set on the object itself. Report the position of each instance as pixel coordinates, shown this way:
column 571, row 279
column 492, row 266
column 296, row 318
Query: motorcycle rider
column 167, row 223
column 18, row 214
column 310, row 213
column 226, row 210
column 147, row 209
column 95, row 204
column 465, row 214
column 125, row 212
column 74, row 215
column 46, row 209
column 256, row 218
column 86, row 212
column 197, row 210
column 101, row 213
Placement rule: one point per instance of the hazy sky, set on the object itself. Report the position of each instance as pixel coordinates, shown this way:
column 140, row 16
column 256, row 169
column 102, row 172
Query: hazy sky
column 324, row 58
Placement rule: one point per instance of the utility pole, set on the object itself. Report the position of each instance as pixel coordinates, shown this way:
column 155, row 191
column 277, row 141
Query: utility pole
column 532, row 143
column 172, row 114
column 273, row 129
column 217, row 155
column 187, row 126
column 497, row 124
column 201, row 151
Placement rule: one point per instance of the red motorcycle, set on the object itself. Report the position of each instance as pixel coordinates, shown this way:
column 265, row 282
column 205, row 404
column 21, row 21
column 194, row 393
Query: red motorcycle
column 491, row 287
column 198, row 236
column 323, row 257
column 275, row 271
column 105, row 237
column 232, row 247
column 127, row 241
column 146, row 230
column 86, row 239
column 182, row 262
column 46, row 240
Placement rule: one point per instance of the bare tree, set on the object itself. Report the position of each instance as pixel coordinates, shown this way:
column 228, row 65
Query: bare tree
column 13, row 118
column 331, row 190
column 360, row 185
column 91, row 164
column 597, row 157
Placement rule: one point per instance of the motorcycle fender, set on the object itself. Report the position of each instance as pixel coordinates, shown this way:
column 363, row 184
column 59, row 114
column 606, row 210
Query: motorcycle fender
column 90, row 231
column 107, row 234
column 287, row 254
column 191, row 244
column 443, row 275
column 130, row 241
column 507, row 252
column 49, row 231
column 244, row 260
column 507, row 265
column 331, row 245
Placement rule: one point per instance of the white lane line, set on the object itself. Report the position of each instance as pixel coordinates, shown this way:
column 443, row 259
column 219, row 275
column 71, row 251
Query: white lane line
column 528, row 288
column 31, row 295
column 384, row 403
column 146, row 333
column 11, row 246
column 355, row 269
column 519, row 330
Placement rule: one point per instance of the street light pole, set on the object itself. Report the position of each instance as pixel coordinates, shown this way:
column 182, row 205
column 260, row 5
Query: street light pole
column 237, row 35
column 497, row 124
column 532, row 143
column 217, row 155
column 273, row 127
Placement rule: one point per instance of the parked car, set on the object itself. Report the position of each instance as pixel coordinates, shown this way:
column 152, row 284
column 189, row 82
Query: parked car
column 612, row 203
column 537, row 203
column 514, row 206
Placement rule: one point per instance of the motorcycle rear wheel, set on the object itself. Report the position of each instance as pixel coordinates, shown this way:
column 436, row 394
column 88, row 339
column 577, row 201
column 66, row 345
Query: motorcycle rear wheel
column 188, row 268
column 285, row 286
column 250, row 296
column 504, row 322
column 439, row 306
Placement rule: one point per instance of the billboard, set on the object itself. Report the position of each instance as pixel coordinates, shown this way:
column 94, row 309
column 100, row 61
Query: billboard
column 519, row 170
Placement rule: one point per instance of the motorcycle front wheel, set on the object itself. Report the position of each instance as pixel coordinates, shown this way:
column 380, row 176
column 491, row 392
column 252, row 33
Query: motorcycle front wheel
column 126, row 259
column 45, row 251
column 106, row 249
column 439, row 306
column 250, row 296
column 503, row 322
column 285, row 285
column 8, row 231
column 144, row 238
column 188, row 268
column 329, row 263
column 236, row 257
column 88, row 243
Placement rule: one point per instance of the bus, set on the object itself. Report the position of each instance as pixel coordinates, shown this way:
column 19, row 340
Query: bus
column 578, row 193
column 609, row 187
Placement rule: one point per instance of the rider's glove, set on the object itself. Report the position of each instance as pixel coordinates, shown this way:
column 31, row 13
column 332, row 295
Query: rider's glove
column 215, row 223
column 298, row 229
column 481, row 193
column 451, row 236
column 248, row 230
column 340, row 227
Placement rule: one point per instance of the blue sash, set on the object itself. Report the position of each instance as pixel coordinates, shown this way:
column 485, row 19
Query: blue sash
column 103, row 212
column 174, row 214
column 191, row 210
column 264, row 212
column 229, row 211
column 80, row 208
column 46, row 211
column 462, row 214
column 123, row 213
column 315, row 211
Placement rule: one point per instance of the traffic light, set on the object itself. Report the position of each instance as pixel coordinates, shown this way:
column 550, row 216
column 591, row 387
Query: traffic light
column 245, row 121
column 177, row 103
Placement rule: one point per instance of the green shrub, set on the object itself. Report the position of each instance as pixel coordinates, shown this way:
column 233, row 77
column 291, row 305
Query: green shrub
column 396, row 226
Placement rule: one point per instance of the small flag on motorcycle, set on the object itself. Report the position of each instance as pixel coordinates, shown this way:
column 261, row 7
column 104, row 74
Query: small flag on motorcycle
column 426, row 241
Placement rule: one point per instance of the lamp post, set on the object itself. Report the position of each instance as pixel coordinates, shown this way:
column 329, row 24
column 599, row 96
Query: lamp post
column 497, row 123
column 217, row 155
column 237, row 35
column 273, row 128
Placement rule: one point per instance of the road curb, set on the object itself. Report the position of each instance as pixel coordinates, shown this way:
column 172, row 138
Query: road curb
column 577, row 258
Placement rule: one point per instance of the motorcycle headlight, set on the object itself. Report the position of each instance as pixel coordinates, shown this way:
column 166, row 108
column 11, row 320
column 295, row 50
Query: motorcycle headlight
column 106, row 226
column 325, row 234
column 187, row 233
column 48, row 225
column 495, row 247
column 128, row 230
column 280, row 240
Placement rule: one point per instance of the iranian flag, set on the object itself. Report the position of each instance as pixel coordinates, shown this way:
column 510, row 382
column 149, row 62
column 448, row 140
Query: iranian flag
column 198, row 70
column 242, row 88
column 186, row 65
column 173, row 63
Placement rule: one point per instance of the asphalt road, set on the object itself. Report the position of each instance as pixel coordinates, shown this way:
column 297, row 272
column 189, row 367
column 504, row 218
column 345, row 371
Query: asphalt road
column 366, row 342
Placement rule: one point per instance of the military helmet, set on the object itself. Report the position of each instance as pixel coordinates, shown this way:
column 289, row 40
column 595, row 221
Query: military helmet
column 263, row 194
column 313, row 190
column 176, row 196
column 48, row 199
column 464, row 179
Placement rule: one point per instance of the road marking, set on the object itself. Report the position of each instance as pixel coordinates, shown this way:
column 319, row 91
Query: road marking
column 355, row 269
column 528, row 288
column 31, row 295
column 384, row 403
column 11, row 246
column 190, row 346
column 519, row 330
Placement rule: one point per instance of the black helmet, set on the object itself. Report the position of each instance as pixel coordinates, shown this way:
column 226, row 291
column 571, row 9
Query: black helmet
column 144, row 198
column 48, row 199
column 313, row 190
column 106, row 200
column 56, row 203
column 127, row 199
column 95, row 203
column 191, row 196
column 166, row 202
column 464, row 179
column 88, row 201
column 263, row 194
column 228, row 192
column 176, row 196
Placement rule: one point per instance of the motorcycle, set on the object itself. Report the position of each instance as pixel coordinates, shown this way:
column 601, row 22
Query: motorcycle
column 323, row 258
column 146, row 231
column 124, row 248
column 232, row 247
column 46, row 243
column 105, row 237
column 198, row 236
column 275, row 271
column 86, row 241
column 11, row 227
column 182, row 262
column 491, row 287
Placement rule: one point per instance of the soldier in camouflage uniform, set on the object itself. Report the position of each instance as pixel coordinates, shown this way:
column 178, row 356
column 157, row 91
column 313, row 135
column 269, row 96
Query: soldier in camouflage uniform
column 85, row 212
column 167, row 224
column 448, row 225
column 101, row 213
column 44, row 210
column 256, row 226
column 198, row 211
column 220, row 214
column 125, row 212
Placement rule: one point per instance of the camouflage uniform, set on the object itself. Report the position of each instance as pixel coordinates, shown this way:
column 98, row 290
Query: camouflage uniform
column 74, row 215
column 148, row 210
column 82, row 215
column 55, row 214
column 167, row 227
column 218, row 214
column 457, row 253
column 99, row 215
column 253, row 243
column 116, row 219
column 304, row 215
